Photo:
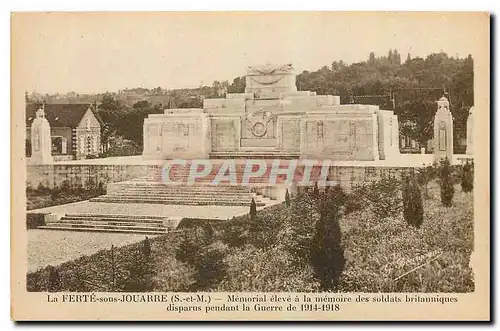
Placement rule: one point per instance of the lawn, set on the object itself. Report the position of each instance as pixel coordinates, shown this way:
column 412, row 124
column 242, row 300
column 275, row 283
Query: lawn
column 378, row 252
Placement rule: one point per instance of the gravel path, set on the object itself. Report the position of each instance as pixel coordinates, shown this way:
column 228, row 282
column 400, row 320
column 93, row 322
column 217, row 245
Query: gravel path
column 48, row 247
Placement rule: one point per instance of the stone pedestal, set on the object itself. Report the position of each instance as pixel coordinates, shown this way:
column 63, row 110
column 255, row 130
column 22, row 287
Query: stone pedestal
column 345, row 132
column 41, row 143
column 179, row 133
column 443, row 131
column 388, row 134
column 470, row 132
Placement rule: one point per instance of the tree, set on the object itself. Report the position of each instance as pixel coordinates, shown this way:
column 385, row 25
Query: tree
column 316, row 190
column 413, row 210
column 420, row 112
column 424, row 175
column 467, row 177
column 327, row 254
column 146, row 247
column 371, row 59
column 287, row 198
column 408, row 59
column 253, row 209
column 447, row 189
column 54, row 279
column 238, row 85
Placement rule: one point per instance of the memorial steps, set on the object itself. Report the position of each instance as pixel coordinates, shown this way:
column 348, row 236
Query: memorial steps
column 271, row 154
column 150, row 189
column 185, row 195
column 139, row 224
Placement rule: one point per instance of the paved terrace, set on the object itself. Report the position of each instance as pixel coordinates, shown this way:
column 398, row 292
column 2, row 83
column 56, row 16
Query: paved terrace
column 404, row 160
column 172, row 211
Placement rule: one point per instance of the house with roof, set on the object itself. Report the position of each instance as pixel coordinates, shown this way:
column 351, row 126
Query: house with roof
column 75, row 129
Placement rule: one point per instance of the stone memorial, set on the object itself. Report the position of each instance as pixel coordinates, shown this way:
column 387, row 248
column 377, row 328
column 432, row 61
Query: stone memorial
column 41, row 142
column 470, row 132
column 273, row 119
column 443, row 131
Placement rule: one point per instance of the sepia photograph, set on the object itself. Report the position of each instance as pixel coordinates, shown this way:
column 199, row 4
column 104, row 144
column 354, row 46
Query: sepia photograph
column 246, row 157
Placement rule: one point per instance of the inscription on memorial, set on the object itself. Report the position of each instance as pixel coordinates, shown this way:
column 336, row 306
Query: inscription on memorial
column 224, row 135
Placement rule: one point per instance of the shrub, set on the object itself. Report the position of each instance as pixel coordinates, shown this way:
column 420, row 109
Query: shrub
column 287, row 198
column 54, row 279
column 192, row 244
column 210, row 267
column 140, row 273
column 413, row 210
column 65, row 186
column 101, row 188
column 34, row 220
column 467, row 177
column 41, row 189
column 90, row 184
column 55, row 193
column 29, row 189
column 382, row 197
column 253, row 209
column 447, row 189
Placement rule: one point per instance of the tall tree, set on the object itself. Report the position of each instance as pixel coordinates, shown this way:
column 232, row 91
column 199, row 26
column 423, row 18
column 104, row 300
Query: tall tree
column 447, row 190
column 327, row 254
column 413, row 210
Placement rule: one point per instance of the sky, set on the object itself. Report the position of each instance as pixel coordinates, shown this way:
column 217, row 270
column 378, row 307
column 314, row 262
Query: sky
column 98, row 52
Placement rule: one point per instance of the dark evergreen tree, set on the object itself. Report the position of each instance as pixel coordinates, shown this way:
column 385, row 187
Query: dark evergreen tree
column 287, row 198
column 146, row 247
column 315, row 192
column 371, row 59
column 447, row 189
column 327, row 254
column 54, row 279
column 253, row 209
column 467, row 177
column 413, row 210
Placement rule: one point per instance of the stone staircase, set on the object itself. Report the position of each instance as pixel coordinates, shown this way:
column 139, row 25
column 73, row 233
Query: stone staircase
column 149, row 190
column 139, row 224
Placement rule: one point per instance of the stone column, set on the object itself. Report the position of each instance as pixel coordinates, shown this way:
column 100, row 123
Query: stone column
column 470, row 132
column 41, row 143
column 443, row 131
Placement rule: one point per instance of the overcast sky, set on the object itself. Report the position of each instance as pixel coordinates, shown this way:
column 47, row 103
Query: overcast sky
column 89, row 53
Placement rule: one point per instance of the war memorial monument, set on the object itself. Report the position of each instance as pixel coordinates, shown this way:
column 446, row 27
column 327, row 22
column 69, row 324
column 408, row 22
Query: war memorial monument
column 273, row 119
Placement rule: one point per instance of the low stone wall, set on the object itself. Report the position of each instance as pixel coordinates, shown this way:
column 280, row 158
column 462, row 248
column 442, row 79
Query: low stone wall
column 80, row 175
column 348, row 177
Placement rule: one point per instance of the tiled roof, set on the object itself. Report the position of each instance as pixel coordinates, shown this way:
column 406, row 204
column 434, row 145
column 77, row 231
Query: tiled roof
column 61, row 115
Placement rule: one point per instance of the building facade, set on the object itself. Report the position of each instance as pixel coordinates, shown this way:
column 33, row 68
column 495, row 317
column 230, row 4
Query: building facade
column 75, row 129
